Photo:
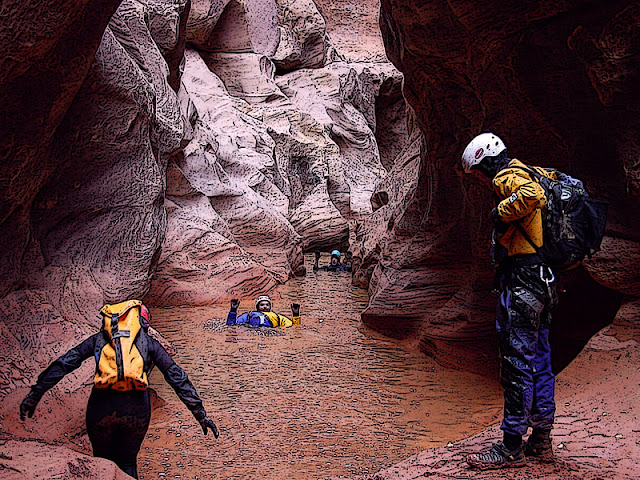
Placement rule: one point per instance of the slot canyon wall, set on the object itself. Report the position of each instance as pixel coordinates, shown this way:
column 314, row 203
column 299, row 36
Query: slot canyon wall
column 558, row 81
column 182, row 152
column 190, row 151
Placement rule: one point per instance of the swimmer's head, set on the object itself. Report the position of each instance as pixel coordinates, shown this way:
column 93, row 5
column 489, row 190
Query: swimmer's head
column 263, row 303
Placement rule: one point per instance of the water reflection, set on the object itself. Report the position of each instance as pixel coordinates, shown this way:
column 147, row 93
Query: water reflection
column 326, row 398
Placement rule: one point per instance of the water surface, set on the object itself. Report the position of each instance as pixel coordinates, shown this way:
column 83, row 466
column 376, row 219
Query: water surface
column 325, row 398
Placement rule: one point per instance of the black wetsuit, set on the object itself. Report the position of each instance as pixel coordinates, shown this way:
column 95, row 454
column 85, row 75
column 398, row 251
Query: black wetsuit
column 117, row 422
column 340, row 267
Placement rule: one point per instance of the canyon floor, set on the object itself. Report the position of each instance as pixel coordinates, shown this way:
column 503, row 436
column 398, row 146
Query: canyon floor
column 332, row 399
column 326, row 398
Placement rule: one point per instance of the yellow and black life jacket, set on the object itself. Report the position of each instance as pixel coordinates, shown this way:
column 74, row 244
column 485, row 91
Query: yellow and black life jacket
column 120, row 363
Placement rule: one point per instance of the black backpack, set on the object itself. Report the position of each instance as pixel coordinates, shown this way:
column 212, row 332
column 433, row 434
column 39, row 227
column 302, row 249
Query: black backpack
column 574, row 223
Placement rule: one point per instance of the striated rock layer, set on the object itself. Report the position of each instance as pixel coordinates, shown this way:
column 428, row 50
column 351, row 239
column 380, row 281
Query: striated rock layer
column 136, row 166
column 559, row 84
column 34, row 460
column 139, row 167
column 282, row 150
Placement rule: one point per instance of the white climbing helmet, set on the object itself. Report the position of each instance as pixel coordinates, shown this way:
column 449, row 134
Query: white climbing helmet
column 484, row 145
column 263, row 298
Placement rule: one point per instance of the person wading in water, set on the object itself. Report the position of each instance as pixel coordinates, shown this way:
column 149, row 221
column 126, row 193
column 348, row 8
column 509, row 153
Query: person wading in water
column 119, row 409
column 262, row 316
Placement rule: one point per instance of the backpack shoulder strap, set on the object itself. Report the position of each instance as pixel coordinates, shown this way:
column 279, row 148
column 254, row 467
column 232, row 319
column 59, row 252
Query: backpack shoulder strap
column 537, row 176
column 526, row 236
column 142, row 344
column 101, row 341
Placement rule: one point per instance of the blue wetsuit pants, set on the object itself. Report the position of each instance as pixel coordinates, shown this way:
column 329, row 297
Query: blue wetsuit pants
column 523, row 319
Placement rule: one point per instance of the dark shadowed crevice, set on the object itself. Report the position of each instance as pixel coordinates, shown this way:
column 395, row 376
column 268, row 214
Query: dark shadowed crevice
column 391, row 122
column 584, row 309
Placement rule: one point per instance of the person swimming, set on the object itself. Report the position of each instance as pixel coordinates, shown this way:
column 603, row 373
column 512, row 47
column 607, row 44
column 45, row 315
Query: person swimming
column 335, row 264
column 262, row 316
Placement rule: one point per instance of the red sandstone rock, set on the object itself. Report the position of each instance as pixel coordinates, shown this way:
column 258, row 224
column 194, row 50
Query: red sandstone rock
column 595, row 434
column 239, row 26
column 307, row 166
column 304, row 42
column 103, row 211
column 284, row 161
column 538, row 77
column 34, row 460
column 95, row 136
column 353, row 28
column 46, row 53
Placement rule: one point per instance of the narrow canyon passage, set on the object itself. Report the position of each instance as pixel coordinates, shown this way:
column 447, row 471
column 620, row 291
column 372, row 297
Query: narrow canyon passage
column 325, row 398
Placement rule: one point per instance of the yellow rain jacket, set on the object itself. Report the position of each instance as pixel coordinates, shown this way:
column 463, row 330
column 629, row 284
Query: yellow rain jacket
column 521, row 197
column 281, row 321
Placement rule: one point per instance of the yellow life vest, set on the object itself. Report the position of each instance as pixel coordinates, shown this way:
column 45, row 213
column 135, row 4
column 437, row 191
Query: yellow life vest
column 280, row 320
column 120, row 363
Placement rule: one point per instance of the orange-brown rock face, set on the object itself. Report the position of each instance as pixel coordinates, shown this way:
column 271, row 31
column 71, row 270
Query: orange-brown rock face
column 135, row 166
column 558, row 82
column 282, row 149
column 90, row 121
column 596, row 412
column 47, row 52
column 281, row 142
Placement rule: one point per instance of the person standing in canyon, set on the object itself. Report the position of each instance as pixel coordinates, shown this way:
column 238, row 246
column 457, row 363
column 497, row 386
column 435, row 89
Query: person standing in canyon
column 523, row 314
column 119, row 408
column 262, row 316
column 336, row 264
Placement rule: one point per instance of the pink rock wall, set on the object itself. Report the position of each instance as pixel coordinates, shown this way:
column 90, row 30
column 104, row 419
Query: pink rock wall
column 87, row 150
column 46, row 56
column 281, row 151
column 540, row 76
column 137, row 167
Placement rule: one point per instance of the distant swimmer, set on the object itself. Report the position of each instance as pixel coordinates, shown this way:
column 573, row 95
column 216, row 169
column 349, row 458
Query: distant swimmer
column 335, row 265
column 262, row 316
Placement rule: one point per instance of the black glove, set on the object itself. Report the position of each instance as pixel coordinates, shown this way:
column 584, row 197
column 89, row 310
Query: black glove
column 498, row 224
column 28, row 406
column 205, row 423
column 235, row 303
column 348, row 256
column 295, row 309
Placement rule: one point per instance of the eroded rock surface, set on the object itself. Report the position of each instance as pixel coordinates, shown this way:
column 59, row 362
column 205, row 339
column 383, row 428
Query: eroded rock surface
column 544, row 83
column 151, row 185
column 278, row 158
column 184, row 177
column 239, row 26
column 32, row 460
column 46, row 56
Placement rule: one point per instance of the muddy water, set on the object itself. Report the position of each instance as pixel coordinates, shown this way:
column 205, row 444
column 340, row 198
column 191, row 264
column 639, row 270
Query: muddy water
column 325, row 398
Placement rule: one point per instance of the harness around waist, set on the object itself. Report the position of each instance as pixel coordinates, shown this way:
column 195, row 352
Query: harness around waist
column 526, row 260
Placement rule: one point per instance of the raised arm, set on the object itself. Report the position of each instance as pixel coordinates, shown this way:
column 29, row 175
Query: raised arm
column 233, row 312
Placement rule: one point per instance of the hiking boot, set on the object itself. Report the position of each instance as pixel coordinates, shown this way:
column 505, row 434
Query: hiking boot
column 497, row 457
column 539, row 448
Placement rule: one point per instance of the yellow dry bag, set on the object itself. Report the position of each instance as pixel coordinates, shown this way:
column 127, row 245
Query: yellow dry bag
column 120, row 364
